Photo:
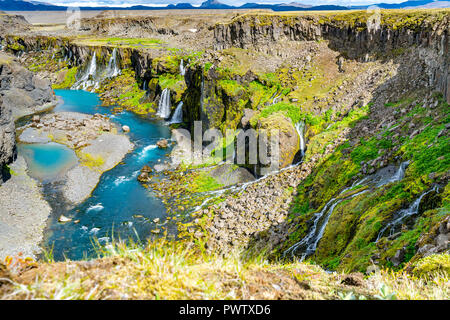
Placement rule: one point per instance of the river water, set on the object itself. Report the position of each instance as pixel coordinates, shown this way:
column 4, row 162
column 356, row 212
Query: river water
column 120, row 207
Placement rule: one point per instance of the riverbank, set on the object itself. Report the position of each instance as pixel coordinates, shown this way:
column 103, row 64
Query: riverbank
column 94, row 139
column 23, row 213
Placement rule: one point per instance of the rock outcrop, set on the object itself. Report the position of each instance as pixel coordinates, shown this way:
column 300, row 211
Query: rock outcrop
column 22, row 91
column 8, row 150
column 349, row 34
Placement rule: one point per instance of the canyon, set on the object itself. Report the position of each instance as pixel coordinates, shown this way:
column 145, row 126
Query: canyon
column 362, row 112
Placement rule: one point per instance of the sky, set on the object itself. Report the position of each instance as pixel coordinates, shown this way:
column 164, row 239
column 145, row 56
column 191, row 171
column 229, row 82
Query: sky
column 157, row 3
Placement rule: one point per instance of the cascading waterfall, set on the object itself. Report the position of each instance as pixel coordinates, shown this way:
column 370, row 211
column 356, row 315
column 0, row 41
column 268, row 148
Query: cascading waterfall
column 320, row 219
column 87, row 80
column 178, row 114
column 182, row 68
column 300, row 127
column 164, row 104
column 412, row 210
column 113, row 69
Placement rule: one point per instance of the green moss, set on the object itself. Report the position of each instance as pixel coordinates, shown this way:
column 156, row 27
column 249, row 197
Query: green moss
column 69, row 79
column 203, row 183
column 291, row 111
column 231, row 87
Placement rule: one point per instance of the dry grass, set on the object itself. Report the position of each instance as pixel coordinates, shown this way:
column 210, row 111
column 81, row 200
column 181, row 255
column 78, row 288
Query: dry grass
column 170, row 270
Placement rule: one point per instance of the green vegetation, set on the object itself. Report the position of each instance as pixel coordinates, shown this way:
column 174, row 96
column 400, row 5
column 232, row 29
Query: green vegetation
column 348, row 241
column 69, row 78
column 203, row 182
column 91, row 161
column 173, row 270
column 138, row 43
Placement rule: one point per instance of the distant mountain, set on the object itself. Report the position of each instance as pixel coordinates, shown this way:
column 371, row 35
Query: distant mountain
column 402, row 5
column 21, row 5
column 180, row 6
column 311, row 8
column 215, row 4
column 18, row 5
column 434, row 5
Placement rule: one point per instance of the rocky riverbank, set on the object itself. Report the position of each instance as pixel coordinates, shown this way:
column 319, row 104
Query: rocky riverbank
column 93, row 137
column 23, row 213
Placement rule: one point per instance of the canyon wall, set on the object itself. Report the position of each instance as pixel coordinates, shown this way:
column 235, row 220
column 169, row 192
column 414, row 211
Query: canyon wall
column 21, row 93
column 350, row 35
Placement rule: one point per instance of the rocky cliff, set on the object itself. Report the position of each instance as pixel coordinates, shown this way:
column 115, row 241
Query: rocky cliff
column 21, row 93
column 352, row 34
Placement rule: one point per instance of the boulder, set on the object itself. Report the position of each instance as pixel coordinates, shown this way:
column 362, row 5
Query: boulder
column 230, row 174
column 162, row 144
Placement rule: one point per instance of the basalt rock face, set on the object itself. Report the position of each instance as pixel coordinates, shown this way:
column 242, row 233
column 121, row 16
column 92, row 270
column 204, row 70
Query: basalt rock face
column 8, row 150
column 21, row 90
column 21, row 93
column 352, row 38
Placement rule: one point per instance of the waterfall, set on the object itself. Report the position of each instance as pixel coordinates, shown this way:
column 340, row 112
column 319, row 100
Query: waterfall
column 182, row 68
column 412, row 210
column 320, row 219
column 178, row 114
column 300, row 127
column 275, row 100
column 85, row 81
column 113, row 69
column 400, row 172
column 92, row 66
column 164, row 104
column 144, row 86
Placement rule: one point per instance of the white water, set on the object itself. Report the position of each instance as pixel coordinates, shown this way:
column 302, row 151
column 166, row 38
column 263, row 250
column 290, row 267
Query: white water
column 320, row 219
column 113, row 69
column 164, row 104
column 178, row 114
column 413, row 209
column 300, row 127
column 87, row 80
column 182, row 68
column 145, row 150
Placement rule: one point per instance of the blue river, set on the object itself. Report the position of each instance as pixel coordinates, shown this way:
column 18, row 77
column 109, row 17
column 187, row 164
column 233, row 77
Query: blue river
column 120, row 208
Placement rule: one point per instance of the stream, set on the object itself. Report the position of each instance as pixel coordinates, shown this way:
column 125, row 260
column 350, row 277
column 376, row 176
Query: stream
column 120, row 207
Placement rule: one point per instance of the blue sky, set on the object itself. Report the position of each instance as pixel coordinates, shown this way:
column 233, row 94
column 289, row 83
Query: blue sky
column 197, row 2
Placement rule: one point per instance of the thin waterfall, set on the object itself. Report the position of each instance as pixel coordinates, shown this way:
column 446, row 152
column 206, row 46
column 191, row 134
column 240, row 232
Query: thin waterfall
column 113, row 69
column 412, row 210
column 85, row 81
column 320, row 219
column 275, row 100
column 300, row 127
column 164, row 104
column 178, row 114
column 182, row 68
column 144, row 86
